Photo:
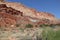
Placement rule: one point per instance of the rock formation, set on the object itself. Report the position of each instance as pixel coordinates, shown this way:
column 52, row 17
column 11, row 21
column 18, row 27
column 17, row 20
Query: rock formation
column 12, row 13
column 8, row 15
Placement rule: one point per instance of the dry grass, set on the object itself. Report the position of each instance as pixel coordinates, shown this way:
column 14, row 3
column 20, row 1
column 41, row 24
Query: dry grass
column 21, row 34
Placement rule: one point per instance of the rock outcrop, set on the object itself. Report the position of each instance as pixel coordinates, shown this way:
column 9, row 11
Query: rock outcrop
column 15, row 13
column 8, row 15
column 29, row 11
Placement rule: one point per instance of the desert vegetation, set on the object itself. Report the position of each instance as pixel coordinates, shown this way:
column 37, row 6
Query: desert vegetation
column 29, row 26
column 40, row 33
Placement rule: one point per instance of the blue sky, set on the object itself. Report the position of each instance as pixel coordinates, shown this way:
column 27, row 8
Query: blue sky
column 51, row 6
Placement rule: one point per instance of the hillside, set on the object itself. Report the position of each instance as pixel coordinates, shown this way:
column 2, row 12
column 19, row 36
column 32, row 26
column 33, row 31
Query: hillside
column 18, row 22
column 29, row 11
column 16, row 13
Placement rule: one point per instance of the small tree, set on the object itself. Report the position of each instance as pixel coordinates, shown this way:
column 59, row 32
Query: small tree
column 29, row 25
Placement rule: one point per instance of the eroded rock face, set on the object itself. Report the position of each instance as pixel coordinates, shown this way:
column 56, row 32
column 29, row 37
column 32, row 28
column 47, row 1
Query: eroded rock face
column 3, row 6
column 29, row 11
column 13, row 20
column 5, row 9
column 7, row 15
column 17, row 13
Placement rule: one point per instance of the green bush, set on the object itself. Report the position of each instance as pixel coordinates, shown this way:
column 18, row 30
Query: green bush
column 43, row 25
column 48, row 34
column 57, row 36
column 52, row 25
column 29, row 26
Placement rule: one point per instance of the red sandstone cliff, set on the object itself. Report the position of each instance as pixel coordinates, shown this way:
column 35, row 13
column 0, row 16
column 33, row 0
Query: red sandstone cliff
column 13, row 13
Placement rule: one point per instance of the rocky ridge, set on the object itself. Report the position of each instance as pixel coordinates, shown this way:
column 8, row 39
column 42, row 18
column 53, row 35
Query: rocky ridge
column 13, row 16
column 12, row 13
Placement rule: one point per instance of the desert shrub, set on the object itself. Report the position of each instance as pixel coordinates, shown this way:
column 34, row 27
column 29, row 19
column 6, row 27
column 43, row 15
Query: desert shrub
column 57, row 36
column 52, row 25
column 57, row 24
column 17, row 25
column 29, row 26
column 38, row 38
column 43, row 25
column 48, row 34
